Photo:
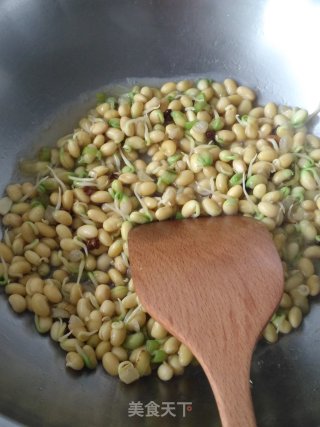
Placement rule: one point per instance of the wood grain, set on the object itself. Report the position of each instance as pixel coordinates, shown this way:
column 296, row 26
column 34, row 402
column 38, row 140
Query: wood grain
column 213, row 283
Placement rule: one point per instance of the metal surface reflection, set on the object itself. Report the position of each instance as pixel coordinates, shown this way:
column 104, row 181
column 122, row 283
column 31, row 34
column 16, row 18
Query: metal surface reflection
column 290, row 28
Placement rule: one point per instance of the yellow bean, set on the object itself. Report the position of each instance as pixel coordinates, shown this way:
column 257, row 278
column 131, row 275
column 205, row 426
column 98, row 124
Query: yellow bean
column 158, row 331
column 84, row 308
column 235, row 192
column 112, row 224
column 36, row 213
column 120, row 353
column 225, row 136
column 308, row 230
column 223, row 167
column 104, row 237
column 251, row 131
column 130, row 301
column 239, row 131
column 75, row 293
column 74, row 361
column 70, row 344
column 19, row 268
column 156, row 136
column 90, row 263
column 90, row 360
column 312, row 252
column 100, row 197
column 15, row 288
column 270, row 110
column 285, row 327
column 191, row 209
column 306, row 267
column 28, row 232
column 222, row 183
column 171, row 346
column 118, row 333
column 219, row 89
column 293, row 281
column 259, row 191
column 246, row 207
column 185, row 178
column 230, row 206
column 17, row 303
column 32, row 257
column 51, row 243
column 93, row 341
column 40, row 305
column 43, row 269
column 147, row 188
column 102, row 348
column 267, row 155
column 239, row 166
column 28, row 189
column 300, row 298
column 6, row 252
column 111, row 114
column 11, row 220
column 244, row 107
column 295, row 317
column 107, row 308
column 80, row 195
column 246, row 93
column 307, row 180
column 14, row 191
column 51, row 291
column 34, row 285
column 103, row 262
column 108, row 149
column 105, row 331
column 175, row 364
column 115, row 135
column 313, row 284
column 62, row 217
column 165, row 372
column 63, row 232
column 272, row 197
column 110, row 363
column 286, row 301
column 86, row 232
column 68, row 244
column 142, row 363
column 270, row 333
column 98, row 128
column 97, row 215
column 268, row 209
column 222, row 104
column 164, row 213
column 185, row 355
column 43, row 324
column 262, row 167
column 231, row 86
column 45, row 230
column 43, row 250
column 115, row 277
column 248, row 154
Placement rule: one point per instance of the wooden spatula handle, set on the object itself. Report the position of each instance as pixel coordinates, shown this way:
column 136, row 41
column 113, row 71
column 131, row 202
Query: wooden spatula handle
column 232, row 393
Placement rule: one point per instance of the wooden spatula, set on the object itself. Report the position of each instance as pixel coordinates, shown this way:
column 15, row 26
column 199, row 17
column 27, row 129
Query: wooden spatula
column 213, row 283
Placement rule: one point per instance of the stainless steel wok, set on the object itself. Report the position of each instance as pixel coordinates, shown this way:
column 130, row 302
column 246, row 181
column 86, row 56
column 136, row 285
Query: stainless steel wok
column 53, row 51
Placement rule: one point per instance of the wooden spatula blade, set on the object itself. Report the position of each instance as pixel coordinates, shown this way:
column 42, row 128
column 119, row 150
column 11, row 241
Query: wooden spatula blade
column 213, row 283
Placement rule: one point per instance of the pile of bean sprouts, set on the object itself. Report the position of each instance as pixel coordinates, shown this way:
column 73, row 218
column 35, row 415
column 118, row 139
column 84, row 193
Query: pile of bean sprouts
column 184, row 150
